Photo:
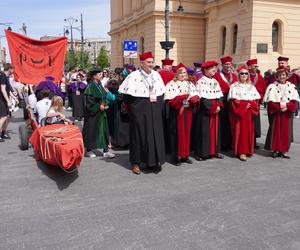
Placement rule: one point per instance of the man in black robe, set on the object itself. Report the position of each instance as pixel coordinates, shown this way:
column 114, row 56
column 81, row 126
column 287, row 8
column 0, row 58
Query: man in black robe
column 143, row 92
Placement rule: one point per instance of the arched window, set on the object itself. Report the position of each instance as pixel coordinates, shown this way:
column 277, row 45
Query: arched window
column 223, row 41
column 275, row 36
column 142, row 45
column 234, row 38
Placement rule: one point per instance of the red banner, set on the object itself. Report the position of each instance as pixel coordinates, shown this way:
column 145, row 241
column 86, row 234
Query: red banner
column 35, row 59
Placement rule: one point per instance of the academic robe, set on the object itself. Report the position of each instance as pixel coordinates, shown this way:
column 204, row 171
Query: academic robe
column 207, row 129
column 117, row 116
column 280, row 132
column 166, row 76
column 225, row 80
column 147, row 144
column 95, row 128
column 242, row 118
column 180, row 116
column 259, row 83
column 77, row 90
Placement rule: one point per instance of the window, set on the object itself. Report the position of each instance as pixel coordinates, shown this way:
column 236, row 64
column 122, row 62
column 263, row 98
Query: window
column 275, row 36
column 223, row 41
column 234, row 38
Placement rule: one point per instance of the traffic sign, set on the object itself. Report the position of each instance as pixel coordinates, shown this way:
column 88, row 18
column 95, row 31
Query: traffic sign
column 130, row 49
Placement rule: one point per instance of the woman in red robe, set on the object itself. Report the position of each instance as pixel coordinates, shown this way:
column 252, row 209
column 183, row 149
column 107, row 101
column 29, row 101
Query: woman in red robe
column 181, row 97
column 243, row 100
column 281, row 98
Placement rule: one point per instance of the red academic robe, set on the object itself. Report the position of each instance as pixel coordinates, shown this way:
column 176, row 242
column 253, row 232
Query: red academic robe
column 279, row 135
column 184, row 122
column 166, row 76
column 225, row 86
column 259, row 84
column 214, row 126
column 242, row 125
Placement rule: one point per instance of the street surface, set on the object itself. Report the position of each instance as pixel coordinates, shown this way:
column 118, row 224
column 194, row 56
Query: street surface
column 217, row 204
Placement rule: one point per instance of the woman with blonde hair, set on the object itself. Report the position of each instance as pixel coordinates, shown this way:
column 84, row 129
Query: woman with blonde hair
column 55, row 114
column 243, row 107
column 181, row 96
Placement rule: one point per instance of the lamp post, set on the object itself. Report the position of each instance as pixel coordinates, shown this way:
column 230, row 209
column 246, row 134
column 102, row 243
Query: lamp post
column 71, row 21
column 82, row 42
column 167, row 45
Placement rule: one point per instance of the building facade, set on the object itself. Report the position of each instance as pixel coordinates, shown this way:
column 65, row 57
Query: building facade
column 209, row 29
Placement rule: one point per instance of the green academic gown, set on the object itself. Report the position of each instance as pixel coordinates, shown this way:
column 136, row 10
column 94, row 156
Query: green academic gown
column 95, row 129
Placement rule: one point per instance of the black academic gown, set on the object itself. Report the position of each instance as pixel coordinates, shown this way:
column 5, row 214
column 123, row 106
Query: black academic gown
column 225, row 124
column 78, row 104
column 202, row 130
column 147, row 143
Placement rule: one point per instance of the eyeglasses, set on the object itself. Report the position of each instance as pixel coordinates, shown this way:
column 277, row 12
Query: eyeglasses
column 244, row 73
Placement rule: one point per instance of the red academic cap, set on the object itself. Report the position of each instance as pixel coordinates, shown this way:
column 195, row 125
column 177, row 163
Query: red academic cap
column 145, row 56
column 282, row 58
column 243, row 67
column 252, row 62
column 180, row 65
column 167, row 61
column 226, row 59
column 209, row 64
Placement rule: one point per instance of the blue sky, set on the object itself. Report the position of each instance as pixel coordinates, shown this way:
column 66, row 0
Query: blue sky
column 46, row 17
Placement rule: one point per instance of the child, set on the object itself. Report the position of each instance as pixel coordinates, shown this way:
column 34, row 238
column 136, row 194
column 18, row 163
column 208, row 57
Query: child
column 55, row 113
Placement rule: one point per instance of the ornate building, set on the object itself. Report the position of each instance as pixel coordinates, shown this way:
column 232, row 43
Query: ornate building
column 209, row 29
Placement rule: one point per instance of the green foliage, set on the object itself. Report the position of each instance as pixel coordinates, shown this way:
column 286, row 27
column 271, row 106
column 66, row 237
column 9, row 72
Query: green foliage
column 103, row 59
column 77, row 62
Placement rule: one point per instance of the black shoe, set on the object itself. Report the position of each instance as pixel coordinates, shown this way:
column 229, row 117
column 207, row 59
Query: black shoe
column 256, row 147
column 157, row 169
column 2, row 140
column 198, row 158
column 284, row 156
column 275, row 154
column 218, row 156
column 186, row 160
column 5, row 136
column 176, row 162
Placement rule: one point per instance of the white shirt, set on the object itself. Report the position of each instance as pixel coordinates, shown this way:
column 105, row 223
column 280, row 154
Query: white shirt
column 104, row 81
column 42, row 108
column 32, row 102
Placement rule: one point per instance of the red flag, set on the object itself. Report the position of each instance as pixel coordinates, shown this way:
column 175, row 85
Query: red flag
column 35, row 59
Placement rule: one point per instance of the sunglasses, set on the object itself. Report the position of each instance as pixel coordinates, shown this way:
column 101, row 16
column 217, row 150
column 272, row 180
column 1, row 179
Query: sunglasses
column 244, row 73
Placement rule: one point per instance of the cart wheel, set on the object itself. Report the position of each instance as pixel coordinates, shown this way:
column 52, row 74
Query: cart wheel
column 24, row 137
column 25, row 114
column 78, row 124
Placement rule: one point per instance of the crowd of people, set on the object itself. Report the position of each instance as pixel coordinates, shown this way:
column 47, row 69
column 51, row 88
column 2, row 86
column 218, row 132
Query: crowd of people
column 174, row 109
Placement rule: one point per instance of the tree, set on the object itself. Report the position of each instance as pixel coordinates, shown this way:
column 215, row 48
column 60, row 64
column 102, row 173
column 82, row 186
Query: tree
column 102, row 58
column 77, row 63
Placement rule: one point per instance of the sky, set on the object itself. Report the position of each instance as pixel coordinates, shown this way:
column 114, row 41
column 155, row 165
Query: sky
column 46, row 17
